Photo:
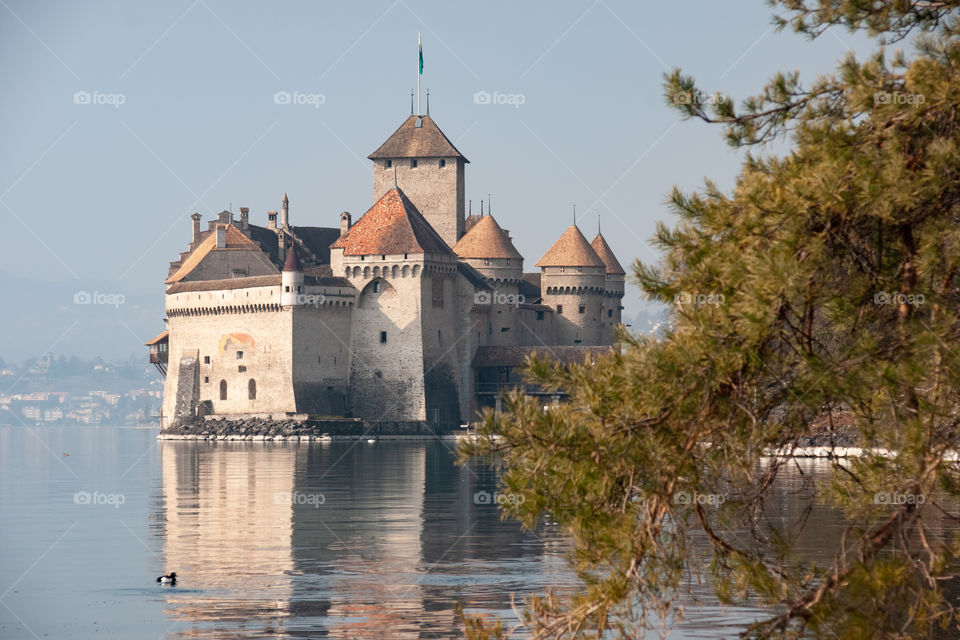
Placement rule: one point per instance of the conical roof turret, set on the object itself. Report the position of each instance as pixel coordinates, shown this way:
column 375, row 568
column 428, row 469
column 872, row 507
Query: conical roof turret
column 571, row 250
column 603, row 250
column 486, row 239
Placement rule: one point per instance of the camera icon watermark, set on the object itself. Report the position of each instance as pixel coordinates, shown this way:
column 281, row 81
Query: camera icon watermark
column 485, row 497
column 687, row 498
column 97, row 297
column 897, row 298
column 699, row 299
column 96, row 498
column 486, row 298
column 498, row 98
column 698, row 97
column 898, row 499
column 297, row 98
column 114, row 100
column 310, row 299
column 298, row 498
column 898, row 97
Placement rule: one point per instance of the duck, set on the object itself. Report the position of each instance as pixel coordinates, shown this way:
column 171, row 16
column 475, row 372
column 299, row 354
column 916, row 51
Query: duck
column 170, row 579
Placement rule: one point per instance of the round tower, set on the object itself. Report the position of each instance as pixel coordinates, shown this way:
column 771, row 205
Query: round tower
column 487, row 248
column 614, row 288
column 572, row 281
column 291, row 280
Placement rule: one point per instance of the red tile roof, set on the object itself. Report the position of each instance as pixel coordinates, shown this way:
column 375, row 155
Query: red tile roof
column 293, row 262
column 411, row 141
column 486, row 239
column 392, row 225
column 603, row 250
column 571, row 250
column 234, row 240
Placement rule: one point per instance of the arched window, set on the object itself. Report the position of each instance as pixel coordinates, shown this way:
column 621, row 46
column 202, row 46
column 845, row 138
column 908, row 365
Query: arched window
column 223, row 389
column 252, row 389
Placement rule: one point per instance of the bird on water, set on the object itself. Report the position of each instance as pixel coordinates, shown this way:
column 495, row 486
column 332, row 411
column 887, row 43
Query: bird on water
column 170, row 579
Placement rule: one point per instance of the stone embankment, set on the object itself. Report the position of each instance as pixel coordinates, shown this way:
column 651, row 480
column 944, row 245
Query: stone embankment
column 261, row 428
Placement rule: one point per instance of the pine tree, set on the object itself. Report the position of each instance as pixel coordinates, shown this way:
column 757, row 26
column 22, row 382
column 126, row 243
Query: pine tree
column 822, row 288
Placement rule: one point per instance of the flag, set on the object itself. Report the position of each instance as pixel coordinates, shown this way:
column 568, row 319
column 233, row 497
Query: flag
column 420, row 47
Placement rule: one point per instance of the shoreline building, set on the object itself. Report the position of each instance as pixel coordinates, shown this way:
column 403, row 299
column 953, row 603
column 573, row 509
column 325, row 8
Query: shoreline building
column 413, row 312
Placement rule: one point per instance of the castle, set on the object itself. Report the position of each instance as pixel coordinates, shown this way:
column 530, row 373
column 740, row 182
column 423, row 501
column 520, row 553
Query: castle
column 414, row 312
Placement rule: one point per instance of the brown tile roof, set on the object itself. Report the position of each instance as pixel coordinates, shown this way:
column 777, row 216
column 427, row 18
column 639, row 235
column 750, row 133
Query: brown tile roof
column 571, row 250
column 411, row 141
column 603, row 250
column 486, row 240
column 225, row 284
column 160, row 337
column 234, row 241
column 516, row 356
column 529, row 286
column 392, row 225
column 293, row 262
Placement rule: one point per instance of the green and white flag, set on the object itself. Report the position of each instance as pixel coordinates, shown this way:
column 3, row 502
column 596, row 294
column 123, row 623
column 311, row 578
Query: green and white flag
column 420, row 47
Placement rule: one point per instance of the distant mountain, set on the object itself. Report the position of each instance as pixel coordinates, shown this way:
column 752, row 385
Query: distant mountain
column 82, row 318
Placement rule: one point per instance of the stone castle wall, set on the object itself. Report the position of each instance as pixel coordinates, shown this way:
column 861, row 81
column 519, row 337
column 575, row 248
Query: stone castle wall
column 437, row 192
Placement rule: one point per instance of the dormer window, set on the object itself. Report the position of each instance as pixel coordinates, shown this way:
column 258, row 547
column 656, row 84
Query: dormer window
column 388, row 164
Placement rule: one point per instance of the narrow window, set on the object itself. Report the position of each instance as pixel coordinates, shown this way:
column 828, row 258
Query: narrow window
column 223, row 389
column 440, row 337
column 376, row 287
column 443, row 163
column 539, row 315
column 560, row 309
column 583, row 309
column 413, row 163
column 609, row 313
column 252, row 389
column 286, row 289
column 383, row 337
column 206, row 378
column 206, row 359
column 389, row 163
column 239, row 355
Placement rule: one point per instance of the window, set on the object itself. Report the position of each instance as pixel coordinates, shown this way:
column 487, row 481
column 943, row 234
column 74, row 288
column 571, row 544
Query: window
column 539, row 315
column 383, row 257
column 223, row 389
column 383, row 337
column 560, row 309
column 239, row 355
column 486, row 262
column 562, row 269
column 252, row 389
column 206, row 359
column 577, row 341
column 583, row 309
column 286, row 289
column 206, row 379
column 413, row 163
column 389, row 164
column 609, row 313
column 579, row 269
column 241, row 368
column 504, row 329
column 376, row 287
column 443, row 163
column 378, row 374
column 440, row 337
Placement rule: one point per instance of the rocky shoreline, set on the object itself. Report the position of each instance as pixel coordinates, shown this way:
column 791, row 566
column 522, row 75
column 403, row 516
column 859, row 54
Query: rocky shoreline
column 261, row 429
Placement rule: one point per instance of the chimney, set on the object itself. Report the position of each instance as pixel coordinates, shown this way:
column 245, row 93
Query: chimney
column 285, row 212
column 245, row 219
column 196, row 227
column 221, row 237
column 271, row 219
column 345, row 223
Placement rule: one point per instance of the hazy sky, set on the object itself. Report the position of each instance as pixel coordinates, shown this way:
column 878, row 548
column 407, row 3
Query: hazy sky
column 176, row 113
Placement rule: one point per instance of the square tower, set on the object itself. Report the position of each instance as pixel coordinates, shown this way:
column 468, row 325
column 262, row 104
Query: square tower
column 420, row 159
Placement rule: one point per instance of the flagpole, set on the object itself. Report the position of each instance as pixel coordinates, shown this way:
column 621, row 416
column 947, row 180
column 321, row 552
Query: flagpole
column 419, row 70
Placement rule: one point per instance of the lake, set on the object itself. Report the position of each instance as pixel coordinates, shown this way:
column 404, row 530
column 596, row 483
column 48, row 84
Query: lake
column 284, row 540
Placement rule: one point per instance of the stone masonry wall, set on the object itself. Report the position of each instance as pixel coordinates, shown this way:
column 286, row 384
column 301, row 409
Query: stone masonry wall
column 437, row 192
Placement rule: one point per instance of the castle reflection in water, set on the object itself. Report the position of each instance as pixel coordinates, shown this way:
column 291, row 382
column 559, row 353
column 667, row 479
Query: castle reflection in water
column 342, row 540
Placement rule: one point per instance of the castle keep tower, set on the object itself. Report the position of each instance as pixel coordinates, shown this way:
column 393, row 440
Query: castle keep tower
column 572, row 282
column 613, row 296
column 424, row 163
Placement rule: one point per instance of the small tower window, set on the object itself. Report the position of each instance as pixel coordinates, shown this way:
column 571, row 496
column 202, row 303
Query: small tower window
column 443, row 163
column 562, row 269
column 413, row 163
column 252, row 389
column 239, row 355
column 376, row 287
column 223, row 389
column 389, row 163
column 560, row 309
column 241, row 368
column 206, row 379
column 609, row 313
column 383, row 337
column 583, row 309
column 579, row 269
column 206, row 359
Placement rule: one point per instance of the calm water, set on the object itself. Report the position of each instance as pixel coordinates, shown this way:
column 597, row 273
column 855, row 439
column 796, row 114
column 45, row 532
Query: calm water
column 344, row 539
